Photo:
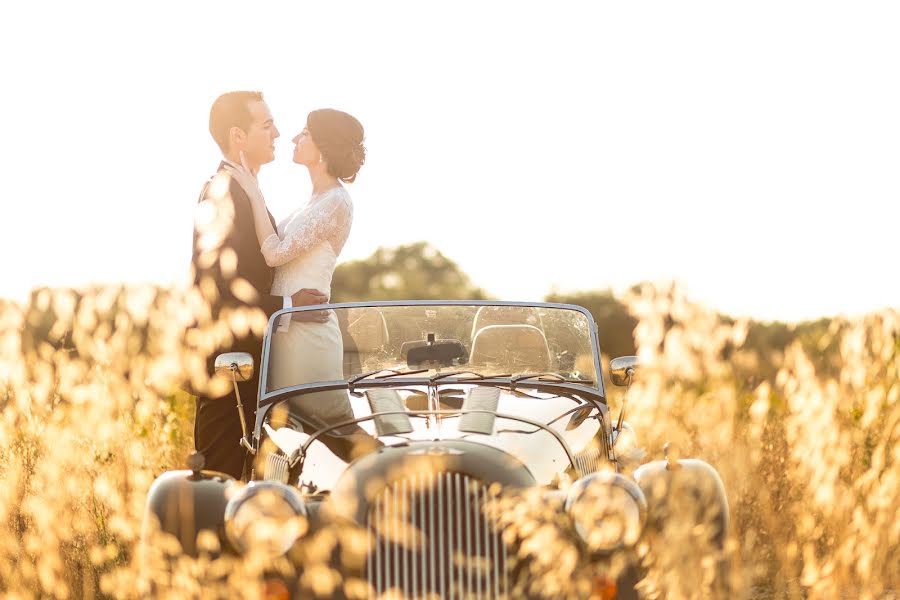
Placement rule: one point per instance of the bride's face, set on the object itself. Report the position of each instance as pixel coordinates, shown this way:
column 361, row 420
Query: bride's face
column 305, row 150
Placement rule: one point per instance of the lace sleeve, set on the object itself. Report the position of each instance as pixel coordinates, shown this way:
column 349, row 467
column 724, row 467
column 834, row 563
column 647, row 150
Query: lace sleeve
column 325, row 220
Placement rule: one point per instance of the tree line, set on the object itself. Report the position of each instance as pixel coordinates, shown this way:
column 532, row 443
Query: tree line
column 420, row 271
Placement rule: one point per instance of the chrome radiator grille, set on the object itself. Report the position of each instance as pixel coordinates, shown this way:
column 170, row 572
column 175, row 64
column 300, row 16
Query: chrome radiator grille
column 588, row 461
column 430, row 536
column 277, row 468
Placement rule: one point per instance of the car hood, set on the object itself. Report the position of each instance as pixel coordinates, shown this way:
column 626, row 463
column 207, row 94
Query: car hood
column 519, row 428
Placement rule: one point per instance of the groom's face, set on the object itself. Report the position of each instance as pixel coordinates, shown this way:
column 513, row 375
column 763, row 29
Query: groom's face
column 259, row 146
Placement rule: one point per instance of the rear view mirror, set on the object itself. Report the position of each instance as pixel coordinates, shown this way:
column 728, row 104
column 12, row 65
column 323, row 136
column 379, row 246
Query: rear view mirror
column 444, row 353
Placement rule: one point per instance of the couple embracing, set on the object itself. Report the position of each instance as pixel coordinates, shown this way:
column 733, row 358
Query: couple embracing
column 243, row 260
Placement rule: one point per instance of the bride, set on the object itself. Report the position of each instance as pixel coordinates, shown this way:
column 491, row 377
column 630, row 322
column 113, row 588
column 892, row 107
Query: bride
column 304, row 252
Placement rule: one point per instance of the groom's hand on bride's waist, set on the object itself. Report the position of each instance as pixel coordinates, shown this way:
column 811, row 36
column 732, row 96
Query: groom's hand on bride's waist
column 306, row 297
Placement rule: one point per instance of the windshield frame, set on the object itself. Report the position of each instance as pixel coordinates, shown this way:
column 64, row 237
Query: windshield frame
column 266, row 398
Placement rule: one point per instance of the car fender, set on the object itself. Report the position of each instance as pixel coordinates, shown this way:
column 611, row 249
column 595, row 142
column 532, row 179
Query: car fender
column 688, row 490
column 183, row 503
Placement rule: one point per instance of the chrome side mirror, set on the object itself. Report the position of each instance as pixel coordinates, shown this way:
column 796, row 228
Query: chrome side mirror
column 621, row 372
column 237, row 366
column 239, row 363
column 623, row 369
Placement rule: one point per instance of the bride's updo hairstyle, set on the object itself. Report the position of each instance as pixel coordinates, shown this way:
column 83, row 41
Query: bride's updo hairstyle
column 339, row 137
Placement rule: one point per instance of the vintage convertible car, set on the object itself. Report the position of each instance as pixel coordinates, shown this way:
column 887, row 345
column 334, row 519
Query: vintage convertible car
column 436, row 431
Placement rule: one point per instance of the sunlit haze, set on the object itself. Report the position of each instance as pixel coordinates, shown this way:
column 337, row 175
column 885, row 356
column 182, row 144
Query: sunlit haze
column 748, row 150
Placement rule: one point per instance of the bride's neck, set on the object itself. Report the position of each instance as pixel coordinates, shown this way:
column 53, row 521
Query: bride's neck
column 322, row 180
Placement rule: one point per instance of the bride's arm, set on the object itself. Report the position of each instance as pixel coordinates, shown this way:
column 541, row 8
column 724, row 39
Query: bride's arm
column 325, row 221
column 330, row 217
column 264, row 229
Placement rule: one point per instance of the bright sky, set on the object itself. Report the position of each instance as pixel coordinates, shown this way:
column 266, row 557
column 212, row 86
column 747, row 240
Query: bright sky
column 749, row 150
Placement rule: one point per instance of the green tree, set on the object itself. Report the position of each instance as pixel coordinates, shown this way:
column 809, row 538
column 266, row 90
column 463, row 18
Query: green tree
column 414, row 272
column 614, row 323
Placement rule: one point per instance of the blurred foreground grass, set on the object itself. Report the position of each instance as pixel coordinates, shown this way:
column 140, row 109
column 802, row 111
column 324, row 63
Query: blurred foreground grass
column 810, row 456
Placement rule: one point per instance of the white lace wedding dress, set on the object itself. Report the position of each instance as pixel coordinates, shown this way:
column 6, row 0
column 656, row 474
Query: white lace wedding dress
column 304, row 254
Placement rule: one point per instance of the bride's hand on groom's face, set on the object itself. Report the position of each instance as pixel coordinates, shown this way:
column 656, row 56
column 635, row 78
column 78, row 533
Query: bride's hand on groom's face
column 244, row 163
column 245, row 179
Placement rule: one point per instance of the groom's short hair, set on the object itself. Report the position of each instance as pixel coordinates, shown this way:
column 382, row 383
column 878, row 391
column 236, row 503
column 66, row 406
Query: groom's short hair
column 231, row 109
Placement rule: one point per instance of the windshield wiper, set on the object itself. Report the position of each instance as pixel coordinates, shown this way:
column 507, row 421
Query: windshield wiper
column 551, row 378
column 476, row 376
column 392, row 373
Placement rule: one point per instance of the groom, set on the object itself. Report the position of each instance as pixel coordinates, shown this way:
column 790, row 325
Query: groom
column 230, row 271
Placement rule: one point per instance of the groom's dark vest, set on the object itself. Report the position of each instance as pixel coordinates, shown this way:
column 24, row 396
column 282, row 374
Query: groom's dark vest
column 228, row 220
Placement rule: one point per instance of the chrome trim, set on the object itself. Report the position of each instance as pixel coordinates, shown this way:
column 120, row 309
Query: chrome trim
column 239, row 363
column 456, row 534
column 468, row 516
column 622, row 369
column 479, row 518
column 430, row 536
column 431, row 486
column 277, row 468
column 610, row 479
column 440, row 525
column 290, row 495
column 404, row 524
column 588, row 461
column 370, row 567
column 413, row 530
column 381, row 557
column 672, row 453
column 396, row 546
column 497, row 544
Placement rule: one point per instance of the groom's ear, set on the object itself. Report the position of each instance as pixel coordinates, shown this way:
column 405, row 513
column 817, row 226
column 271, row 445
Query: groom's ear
column 236, row 137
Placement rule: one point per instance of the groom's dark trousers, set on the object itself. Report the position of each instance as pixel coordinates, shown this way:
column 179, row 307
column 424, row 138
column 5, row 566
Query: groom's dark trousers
column 231, row 273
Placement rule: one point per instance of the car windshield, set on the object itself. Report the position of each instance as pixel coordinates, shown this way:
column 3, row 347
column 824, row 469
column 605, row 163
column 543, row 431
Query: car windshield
column 380, row 341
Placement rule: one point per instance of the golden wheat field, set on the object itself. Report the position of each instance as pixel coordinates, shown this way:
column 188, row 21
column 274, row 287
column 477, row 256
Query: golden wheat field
column 91, row 414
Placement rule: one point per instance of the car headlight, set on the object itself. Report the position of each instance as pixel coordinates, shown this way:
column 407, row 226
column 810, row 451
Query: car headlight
column 266, row 516
column 608, row 511
column 624, row 440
